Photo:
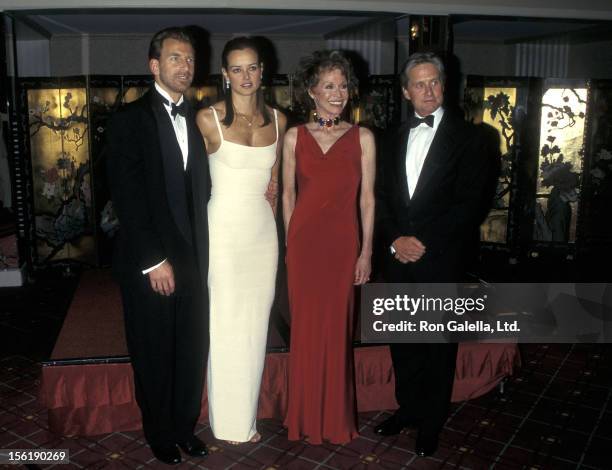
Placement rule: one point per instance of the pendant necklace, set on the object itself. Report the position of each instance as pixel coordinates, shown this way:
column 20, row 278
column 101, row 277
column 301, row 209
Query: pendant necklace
column 243, row 116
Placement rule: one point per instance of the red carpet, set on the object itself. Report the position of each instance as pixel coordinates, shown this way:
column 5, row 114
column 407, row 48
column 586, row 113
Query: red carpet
column 93, row 327
column 96, row 395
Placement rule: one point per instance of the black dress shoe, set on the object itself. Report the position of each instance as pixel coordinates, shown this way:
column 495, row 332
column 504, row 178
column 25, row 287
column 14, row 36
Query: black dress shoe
column 169, row 454
column 194, row 447
column 426, row 444
column 389, row 427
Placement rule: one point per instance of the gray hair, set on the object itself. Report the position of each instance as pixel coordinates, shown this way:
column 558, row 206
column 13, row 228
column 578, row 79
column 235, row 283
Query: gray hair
column 419, row 58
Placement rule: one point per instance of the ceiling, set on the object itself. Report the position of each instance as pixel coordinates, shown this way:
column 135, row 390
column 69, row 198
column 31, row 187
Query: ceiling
column 214, row 23
column 31, row 25
column 586, row 9
column 516, row 30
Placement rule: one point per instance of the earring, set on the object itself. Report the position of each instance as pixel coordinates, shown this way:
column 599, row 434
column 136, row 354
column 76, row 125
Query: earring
column 227, row 84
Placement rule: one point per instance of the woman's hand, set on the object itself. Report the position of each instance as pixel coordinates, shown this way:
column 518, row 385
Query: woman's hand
column 363, row 269
column 272, row 194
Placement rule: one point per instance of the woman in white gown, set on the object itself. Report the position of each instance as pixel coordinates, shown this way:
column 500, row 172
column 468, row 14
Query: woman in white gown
column 243, row 138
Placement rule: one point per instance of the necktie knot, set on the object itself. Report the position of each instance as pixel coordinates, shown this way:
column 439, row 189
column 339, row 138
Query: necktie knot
column 416, row 121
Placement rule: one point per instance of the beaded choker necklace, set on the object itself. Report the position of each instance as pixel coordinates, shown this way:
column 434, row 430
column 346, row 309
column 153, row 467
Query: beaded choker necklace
column 326, row 122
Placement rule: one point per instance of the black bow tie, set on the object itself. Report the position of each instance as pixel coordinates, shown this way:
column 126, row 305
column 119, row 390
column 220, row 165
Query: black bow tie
column 180, row 109
column 416, row 121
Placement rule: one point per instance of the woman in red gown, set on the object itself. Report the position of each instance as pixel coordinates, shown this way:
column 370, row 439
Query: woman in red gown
column 328, row 174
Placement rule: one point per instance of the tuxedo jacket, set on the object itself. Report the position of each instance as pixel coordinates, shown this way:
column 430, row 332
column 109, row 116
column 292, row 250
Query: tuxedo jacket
column 446, row 207
column 160, row 206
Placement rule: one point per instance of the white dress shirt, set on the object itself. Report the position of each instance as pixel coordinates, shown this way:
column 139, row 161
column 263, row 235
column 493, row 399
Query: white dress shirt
column 419, row 141
column 179, row 124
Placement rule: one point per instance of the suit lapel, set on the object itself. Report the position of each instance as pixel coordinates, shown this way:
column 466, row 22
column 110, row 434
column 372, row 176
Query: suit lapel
column 400, row 153
column 436, row 156
column 198, row 164
column 174, row 173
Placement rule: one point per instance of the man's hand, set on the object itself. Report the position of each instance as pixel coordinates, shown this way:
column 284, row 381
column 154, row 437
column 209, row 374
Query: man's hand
column 408, row 249
column 162, row 279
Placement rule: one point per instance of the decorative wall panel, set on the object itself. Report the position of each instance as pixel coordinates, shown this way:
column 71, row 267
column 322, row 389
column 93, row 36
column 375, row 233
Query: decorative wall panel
column 279, row 92
column 378, row 106
column 560, row 164
column 497, row 105
column 596, row 229
column 59, row 144
column 555, row 185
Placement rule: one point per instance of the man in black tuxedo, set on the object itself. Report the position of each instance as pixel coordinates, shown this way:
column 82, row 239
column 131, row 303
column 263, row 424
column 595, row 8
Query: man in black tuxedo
column 430, row 193
column 160, row 184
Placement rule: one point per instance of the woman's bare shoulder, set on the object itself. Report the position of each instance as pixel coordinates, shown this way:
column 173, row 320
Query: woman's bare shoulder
column 206, row 116
column 282, row 119
column 292, row 132
column 365, row 133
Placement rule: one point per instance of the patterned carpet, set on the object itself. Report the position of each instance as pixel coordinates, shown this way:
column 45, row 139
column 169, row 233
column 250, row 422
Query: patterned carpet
column 555, row 413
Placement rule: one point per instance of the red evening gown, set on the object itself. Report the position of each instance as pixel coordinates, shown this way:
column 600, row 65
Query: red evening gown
column 322, row 249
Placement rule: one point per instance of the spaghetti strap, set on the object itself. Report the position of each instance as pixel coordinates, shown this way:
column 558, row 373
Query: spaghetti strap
column 276, row 122
column 218, row 123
